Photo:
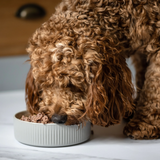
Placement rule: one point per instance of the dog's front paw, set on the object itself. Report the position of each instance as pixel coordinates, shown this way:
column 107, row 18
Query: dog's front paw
column 136, row 129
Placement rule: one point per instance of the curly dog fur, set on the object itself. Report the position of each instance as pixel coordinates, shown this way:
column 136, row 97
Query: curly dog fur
column 79, row 70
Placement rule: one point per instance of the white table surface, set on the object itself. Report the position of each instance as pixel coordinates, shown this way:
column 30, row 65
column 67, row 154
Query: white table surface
column 106, row 143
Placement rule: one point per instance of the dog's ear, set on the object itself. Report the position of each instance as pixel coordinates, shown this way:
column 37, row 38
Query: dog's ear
column 110, row 92
column 31, row 94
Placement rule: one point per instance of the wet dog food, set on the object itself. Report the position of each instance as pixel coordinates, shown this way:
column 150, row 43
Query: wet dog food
column 37, row 118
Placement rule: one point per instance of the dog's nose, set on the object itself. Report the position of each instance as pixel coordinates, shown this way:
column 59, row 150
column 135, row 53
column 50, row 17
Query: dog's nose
column 57, row 118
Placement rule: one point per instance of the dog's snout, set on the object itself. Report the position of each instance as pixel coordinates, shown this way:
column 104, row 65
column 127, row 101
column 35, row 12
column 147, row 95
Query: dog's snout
column 56, row 118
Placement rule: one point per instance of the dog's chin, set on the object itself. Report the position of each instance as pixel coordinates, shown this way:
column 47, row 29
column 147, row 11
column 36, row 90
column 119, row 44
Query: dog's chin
column 71, row 120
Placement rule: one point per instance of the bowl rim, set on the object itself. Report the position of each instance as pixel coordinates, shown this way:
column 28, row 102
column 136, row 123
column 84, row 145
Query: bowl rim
column 53, row 124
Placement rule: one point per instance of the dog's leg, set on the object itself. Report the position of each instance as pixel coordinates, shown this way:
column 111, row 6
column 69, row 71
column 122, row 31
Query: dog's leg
column 145, row 123
column 144, row 33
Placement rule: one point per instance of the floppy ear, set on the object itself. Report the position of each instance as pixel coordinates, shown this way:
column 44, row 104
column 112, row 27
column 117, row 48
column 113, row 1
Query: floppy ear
column 31, row 94
column 110, row 93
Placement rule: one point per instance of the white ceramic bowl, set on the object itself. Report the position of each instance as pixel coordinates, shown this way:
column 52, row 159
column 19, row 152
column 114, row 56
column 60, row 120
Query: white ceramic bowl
column 49, row 135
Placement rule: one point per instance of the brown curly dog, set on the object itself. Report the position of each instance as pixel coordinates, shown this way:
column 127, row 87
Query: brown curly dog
column 79, row 70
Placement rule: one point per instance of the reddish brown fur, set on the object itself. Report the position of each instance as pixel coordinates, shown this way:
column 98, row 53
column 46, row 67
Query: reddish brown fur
column 32, row 95
column 78, row 64
column 108, row 93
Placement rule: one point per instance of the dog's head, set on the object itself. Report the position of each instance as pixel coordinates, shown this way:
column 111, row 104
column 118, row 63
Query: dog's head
column 77, row 73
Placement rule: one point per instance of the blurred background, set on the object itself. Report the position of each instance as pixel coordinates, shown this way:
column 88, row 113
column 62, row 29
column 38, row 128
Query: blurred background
column 19, row 20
